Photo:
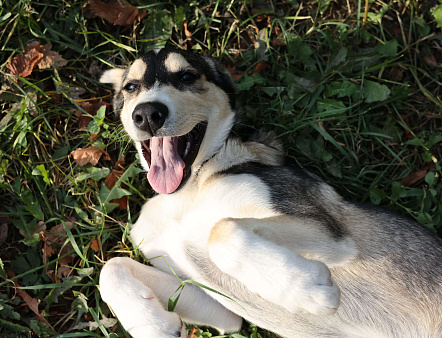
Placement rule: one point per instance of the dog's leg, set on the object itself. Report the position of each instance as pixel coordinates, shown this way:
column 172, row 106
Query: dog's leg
column 138, row 294
column 277, row 272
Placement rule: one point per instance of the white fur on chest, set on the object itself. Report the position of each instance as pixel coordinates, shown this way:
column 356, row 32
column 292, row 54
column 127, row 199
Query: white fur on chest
column 168, row 222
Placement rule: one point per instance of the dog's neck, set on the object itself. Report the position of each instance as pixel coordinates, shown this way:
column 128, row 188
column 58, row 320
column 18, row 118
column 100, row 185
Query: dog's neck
column 261, row 147
column 217, row 133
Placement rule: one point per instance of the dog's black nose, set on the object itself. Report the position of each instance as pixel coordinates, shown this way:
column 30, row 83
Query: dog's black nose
column 150, row 116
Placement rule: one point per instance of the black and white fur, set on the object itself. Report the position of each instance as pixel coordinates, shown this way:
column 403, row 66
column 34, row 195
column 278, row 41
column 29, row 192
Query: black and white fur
column 292, row 255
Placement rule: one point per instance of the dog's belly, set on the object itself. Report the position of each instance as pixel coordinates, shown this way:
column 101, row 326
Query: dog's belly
column 171, row 226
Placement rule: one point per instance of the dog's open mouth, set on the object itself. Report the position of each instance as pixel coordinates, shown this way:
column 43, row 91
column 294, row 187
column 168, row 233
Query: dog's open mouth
column 170, row 158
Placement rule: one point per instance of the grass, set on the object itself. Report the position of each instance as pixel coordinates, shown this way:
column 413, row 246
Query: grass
column 352, row 91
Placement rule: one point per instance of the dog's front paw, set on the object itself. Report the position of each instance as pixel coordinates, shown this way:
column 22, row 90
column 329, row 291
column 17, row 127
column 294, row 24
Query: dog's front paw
column 314, row 292
column 136, row 306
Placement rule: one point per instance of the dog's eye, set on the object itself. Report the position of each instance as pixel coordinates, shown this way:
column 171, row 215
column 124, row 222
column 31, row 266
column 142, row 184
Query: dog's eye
column 188, row 78
column 130, row 87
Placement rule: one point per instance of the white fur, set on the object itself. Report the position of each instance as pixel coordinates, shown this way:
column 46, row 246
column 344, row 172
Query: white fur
column 138, row 293
column 222, row 231
column 285, row 278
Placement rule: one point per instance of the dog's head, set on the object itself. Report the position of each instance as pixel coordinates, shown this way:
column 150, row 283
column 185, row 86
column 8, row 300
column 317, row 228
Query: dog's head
column 178, row 109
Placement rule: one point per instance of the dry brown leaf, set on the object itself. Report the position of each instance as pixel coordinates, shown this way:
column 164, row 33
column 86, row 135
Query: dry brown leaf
column 110, row 181
column 88, row 155
column 120, row 163
column 402, row 118
column 414, row 178
column 192, row 332
column 54, row 240
column 430, row 60
column 32, row 303
column 95, row 245
column 32, row 45
column 112, row 178
column 56, row 235
column 41, row 226
column 23, row 64
column 236, row 75
column 187, row 33
column 321, row 125
column 91, row 107
column 117, row 12
column 276, row 40
column 51, row 58
column 83, row 120
column 396, row 74
column 67, row 259
column 122, row 202
column 259, row 67
column 63, row 271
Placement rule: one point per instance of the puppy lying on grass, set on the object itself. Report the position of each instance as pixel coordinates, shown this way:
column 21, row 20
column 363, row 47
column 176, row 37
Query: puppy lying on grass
column 281, row 248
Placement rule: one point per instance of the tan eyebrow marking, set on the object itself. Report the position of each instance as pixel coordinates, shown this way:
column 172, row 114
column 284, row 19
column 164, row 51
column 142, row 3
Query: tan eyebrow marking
column 137, row 70
column 176, row 62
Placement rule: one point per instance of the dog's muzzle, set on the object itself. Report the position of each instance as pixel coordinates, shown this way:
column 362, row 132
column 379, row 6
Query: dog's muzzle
column 150, row 116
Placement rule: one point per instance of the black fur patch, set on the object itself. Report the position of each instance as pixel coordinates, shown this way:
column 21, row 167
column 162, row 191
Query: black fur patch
column 293, row 191
column 157, row 72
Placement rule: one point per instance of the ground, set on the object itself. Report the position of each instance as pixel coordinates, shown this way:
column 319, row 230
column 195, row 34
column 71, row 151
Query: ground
column 352, row 89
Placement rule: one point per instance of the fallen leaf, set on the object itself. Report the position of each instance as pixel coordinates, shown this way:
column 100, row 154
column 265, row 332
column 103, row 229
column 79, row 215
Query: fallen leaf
column 66, row 260
column 56, row 235
column 117, row 12
column 396, row 74
column 112, row 178
column 91, row 107
column 32, row 45
column 236, row 75
column 47, row 249
column 430, row 60
column 50, row 58
column 87, row 155
column 54, row 243
column 187, row 33
column 259, row 67
column 63, row 271
column 120, row 163
column 32, row 303
column 406, row 120
column 95, row 245
column 41, row 226
column 248, row 38
column 414, row 178
column 110, row 181
column 192, row 332
column 277, row 41
column 23, row 64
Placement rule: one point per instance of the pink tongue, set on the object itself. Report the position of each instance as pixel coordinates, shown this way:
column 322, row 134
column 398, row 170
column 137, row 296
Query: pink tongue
column 166, row 166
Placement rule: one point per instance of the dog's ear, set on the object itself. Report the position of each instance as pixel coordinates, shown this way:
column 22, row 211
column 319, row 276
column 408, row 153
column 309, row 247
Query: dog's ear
column 114, row 76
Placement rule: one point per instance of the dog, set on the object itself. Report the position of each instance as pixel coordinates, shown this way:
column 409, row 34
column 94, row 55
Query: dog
column 269, row 243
